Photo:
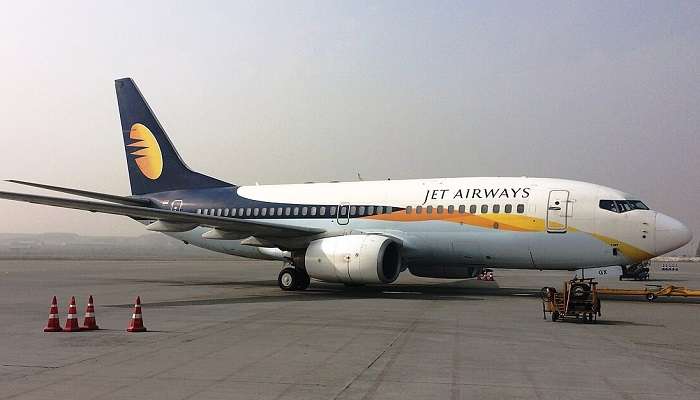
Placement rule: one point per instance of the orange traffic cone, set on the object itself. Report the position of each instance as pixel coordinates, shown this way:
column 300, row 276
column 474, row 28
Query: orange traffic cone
column 89, row 323
column 136, row 322
column 72, row 321
column 54, row 325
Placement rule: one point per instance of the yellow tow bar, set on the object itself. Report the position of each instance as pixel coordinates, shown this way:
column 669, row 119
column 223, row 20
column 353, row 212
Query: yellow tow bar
column 652, row 294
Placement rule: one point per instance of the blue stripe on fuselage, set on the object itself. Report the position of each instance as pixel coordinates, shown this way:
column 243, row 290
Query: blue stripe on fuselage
column 228, row 197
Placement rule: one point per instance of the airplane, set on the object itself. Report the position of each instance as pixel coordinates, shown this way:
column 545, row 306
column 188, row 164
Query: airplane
column 368, row 232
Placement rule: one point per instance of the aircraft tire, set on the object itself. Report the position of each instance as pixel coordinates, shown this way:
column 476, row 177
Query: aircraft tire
column 288, row 279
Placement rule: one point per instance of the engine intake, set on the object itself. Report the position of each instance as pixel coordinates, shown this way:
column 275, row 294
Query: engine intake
column 352, row 259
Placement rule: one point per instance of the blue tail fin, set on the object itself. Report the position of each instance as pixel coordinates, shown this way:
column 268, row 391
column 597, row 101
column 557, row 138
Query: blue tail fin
column 153, row 162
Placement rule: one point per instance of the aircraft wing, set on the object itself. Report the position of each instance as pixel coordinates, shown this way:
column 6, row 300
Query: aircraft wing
column 131, row 201
column 246, row 227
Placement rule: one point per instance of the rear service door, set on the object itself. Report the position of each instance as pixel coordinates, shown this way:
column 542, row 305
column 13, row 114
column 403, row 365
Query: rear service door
column 177, row 205
column 343, row 216
column 557, row 211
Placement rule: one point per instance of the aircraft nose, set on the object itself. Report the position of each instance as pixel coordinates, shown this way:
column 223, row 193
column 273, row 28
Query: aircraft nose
column 670, row 234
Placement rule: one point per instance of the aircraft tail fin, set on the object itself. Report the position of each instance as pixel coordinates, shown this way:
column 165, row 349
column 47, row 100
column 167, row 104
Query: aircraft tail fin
column 153, row 163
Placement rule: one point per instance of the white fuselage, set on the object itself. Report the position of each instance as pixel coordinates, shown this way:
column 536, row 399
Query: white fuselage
column 532, row 223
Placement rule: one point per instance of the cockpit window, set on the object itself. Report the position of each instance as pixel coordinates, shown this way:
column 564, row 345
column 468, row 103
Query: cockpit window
column 622, row 206
column 637, row 205
column 608, row 205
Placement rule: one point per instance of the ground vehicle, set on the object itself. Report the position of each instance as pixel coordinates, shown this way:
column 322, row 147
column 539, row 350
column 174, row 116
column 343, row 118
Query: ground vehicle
column 638, row 272
column 578, row 300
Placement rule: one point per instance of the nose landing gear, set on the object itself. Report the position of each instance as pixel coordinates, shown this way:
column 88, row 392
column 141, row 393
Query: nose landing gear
column 291, row 278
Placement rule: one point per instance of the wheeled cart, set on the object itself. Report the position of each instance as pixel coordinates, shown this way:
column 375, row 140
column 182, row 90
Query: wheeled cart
column 579, row 300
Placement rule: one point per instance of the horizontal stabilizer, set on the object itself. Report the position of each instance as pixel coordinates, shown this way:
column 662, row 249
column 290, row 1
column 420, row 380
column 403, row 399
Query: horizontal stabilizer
column 132, row 201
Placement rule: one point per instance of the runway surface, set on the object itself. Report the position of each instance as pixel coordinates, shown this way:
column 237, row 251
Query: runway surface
column 223, row 330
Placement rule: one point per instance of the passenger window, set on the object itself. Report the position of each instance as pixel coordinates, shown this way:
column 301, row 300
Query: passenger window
column 496, row 208
column 288, row 211
column 233, row 212
column 484, row 209
column 225, row 212
column 212, row 212
column 296, row 211
column 313, row 211
column 419, row 209
column 272, row 211
column 240, row 212
column 380, row 210
column 409, row 209
column 362, row 210
column 322, row 211
column 353, row 210
column 520, row 208
column 370, row 210
column 304, row 210
column 263, row 211
column 199, row 211
column 608, row 205
column 429, row 209
column 279, row 211
column 509, row 208
column 256, row 211
column 333, row 211
column 440, row 209
column 472, row 209
column 462, row 209
column 451, row 209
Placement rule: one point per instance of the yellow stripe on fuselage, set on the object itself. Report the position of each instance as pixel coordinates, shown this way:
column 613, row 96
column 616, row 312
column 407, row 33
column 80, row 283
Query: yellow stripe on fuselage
column 509, row 222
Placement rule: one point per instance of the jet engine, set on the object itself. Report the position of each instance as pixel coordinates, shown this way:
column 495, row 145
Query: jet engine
column 352, row 259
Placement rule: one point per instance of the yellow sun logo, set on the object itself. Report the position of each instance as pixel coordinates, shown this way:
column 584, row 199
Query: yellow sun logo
column 149, row 159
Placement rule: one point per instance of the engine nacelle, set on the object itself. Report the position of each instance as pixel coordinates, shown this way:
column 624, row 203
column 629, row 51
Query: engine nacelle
column 352, row 259
column 445, row 271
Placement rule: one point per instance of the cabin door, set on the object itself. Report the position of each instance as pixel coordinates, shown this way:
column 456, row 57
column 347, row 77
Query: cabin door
column 343, row 216
column 557, row 211
column 177, row 205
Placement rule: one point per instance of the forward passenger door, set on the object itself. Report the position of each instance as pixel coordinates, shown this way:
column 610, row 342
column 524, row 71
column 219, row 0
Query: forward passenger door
column 557, row 211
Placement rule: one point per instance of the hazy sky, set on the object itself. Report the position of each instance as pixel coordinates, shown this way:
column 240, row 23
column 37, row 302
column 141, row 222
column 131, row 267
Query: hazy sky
column 283, row 92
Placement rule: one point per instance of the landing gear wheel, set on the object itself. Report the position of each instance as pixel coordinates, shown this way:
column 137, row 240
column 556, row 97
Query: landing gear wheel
column 303, row 281
column 651, row 297
column 288, row 279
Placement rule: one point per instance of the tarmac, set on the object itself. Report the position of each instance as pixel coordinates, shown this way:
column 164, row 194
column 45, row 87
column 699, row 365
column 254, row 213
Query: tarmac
column 224, row 330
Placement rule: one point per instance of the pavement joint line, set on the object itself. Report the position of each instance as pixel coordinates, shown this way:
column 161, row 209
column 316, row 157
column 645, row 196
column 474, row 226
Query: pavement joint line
column 29, row 366
column 137, row 355
column 384, row 351
column 229, row 376
column 586, row 389
column 206, row 333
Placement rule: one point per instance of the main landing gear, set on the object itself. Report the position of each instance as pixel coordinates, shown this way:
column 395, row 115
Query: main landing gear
column 291, row 278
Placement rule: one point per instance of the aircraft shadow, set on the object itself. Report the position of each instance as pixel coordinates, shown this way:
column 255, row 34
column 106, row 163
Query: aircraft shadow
column 467, row 290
